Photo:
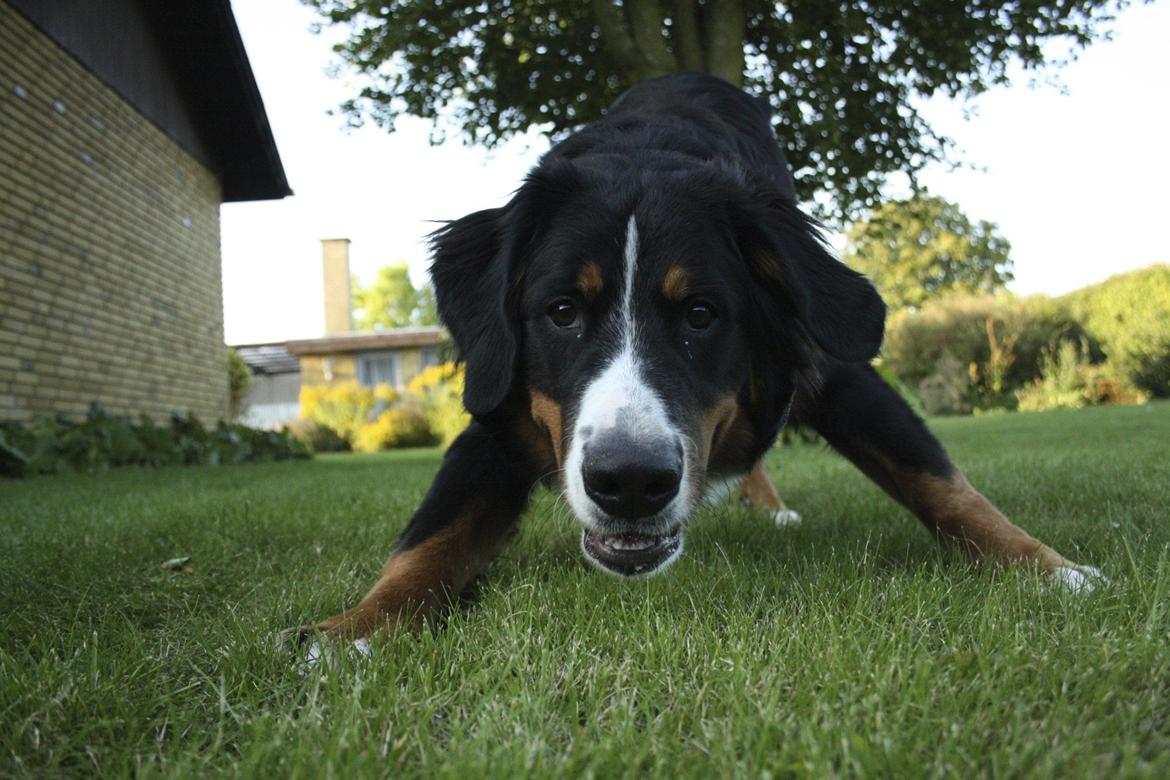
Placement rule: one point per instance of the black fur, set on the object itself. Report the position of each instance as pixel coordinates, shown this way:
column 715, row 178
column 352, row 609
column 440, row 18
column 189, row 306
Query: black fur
column 695, row 158
column 691, row 160
column 483, row 473
column 695, row 161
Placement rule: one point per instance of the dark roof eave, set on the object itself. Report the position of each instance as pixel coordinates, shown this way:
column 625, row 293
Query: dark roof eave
column 261, row 176
column 224, row 94
column 362, row 342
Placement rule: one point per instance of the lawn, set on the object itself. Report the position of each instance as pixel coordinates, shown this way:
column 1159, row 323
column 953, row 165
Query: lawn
column 846, row 646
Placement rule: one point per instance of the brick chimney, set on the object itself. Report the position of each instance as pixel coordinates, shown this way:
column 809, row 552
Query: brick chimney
column 338, row 300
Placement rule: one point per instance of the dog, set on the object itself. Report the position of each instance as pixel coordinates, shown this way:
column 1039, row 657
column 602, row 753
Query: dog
column 643, row 317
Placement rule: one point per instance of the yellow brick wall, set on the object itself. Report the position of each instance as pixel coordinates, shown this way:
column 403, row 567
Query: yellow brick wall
column 323, row 369
column 110, row 287
column 343, row 367
column 409, row 362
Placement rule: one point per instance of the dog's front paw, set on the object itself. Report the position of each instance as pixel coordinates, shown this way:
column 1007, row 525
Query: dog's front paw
column 1076, row 579
column 312, row 646
column 782, row 518
column 294, row 641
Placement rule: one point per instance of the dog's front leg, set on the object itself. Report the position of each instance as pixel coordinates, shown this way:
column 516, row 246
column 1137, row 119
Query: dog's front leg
column 467, row 517
column 866, row 421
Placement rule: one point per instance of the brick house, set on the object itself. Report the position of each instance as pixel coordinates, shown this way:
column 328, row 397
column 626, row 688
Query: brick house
column 123, row 127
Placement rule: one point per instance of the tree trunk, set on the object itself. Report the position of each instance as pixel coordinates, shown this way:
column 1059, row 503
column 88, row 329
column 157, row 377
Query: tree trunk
column 646, row 22
column 724, row 27
column 709, row 40
column 684, row 33
column 617, row 41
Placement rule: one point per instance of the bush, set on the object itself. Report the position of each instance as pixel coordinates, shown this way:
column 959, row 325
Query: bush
column 239, row 380
column 996, row 340
column 372, row 419
column 345, row 406
column 947, row 390
column 1069, row 381
column 51, row 445
column 405, row 426
column 1129, row 315
column 317, row 437
column 439, row 389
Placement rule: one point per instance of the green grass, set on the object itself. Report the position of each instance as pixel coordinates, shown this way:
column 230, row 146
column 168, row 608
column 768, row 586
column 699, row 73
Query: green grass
column 847, row 646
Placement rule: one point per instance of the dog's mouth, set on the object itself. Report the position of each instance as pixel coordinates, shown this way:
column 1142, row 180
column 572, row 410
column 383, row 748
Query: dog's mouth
column 631, row 555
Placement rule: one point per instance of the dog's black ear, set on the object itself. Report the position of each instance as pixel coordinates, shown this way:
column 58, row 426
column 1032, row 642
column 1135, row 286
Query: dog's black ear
column 838, row 307
column 470, row 271
column 478, row 262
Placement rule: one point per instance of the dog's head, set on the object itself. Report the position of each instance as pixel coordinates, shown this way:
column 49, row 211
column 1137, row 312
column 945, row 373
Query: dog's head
column 654, row 327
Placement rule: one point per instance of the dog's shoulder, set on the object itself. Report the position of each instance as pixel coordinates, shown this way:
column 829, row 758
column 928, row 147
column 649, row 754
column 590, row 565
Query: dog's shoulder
column 688, row 115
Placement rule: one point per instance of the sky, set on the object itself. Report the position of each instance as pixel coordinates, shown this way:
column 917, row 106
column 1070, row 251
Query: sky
column 1075, row 177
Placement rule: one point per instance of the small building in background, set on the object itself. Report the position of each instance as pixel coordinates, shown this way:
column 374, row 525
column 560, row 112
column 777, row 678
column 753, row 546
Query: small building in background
column 393, row 356
column 274, row 395
column 123, row 127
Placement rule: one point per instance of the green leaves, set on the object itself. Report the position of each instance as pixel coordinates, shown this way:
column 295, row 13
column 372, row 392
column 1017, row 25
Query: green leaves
column 844, row 79
column 54, row 445
column 923, row 247
column 392, row 301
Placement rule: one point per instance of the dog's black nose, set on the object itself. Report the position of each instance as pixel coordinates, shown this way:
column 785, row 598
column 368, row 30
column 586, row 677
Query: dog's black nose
column 631, row 479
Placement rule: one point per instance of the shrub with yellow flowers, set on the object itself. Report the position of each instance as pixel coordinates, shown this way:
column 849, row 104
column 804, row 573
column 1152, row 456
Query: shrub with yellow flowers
column 344, row 407
column 403, row 426
column 439, row 389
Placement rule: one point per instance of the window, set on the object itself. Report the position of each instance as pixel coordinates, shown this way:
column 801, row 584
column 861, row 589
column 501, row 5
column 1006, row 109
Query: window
column 427, row 357
column 378, row 368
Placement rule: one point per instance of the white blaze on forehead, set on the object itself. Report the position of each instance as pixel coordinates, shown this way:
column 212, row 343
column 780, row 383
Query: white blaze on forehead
column 620, row 388
column 619, row 395
column 629, row 267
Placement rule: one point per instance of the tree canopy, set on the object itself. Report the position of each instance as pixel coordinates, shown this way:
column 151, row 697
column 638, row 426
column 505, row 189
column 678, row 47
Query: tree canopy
column 923, row 247
column 844, row 78
column 392, row 301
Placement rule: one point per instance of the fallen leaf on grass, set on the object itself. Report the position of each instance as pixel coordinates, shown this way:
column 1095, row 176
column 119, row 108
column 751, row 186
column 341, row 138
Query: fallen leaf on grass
column 179, row 564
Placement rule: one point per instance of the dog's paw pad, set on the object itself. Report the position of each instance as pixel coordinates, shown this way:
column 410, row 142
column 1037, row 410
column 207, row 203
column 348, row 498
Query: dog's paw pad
column 1076, row 579
column 783, row 518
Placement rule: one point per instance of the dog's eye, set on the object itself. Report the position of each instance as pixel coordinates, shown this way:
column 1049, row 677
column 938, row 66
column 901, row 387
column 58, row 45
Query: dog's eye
column 700, row 315
column 563, row 313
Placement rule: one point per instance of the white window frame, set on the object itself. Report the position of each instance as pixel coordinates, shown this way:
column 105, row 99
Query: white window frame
column 363, row 367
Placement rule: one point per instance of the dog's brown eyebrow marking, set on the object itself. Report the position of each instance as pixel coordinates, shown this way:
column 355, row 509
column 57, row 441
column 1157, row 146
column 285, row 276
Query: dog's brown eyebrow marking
column 589, row 280
column 676, row 284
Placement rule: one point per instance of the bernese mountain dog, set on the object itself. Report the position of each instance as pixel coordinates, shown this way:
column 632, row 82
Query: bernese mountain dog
column 641, row 319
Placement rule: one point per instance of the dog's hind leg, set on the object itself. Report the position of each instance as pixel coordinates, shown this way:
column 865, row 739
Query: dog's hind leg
column 466, row 519
column 862, row 417
column 757, row 491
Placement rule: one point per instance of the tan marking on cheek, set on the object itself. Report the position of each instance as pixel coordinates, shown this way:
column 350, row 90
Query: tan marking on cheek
column 537, row 442
column 676, row 285
column 547, row 414
column 589, row 281
column 716, row 423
